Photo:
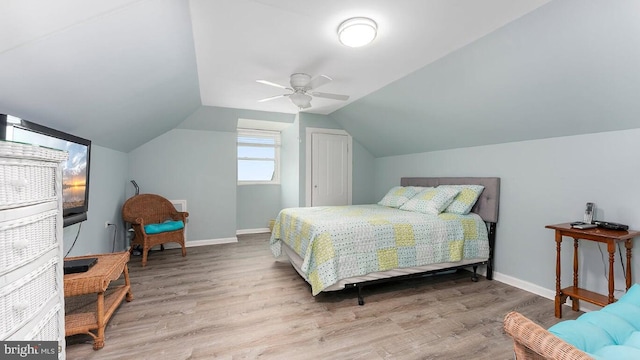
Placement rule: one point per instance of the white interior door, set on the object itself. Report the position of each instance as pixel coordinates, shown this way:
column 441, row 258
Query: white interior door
column 330, row 169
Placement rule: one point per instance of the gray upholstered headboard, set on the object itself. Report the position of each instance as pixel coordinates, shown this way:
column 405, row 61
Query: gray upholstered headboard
column 488, row 202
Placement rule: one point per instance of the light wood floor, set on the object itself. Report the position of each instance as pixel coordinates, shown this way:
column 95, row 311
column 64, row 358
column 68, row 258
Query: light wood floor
column 235, row 301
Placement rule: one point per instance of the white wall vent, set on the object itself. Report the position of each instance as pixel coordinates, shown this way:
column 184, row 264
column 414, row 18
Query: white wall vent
column 181, row 205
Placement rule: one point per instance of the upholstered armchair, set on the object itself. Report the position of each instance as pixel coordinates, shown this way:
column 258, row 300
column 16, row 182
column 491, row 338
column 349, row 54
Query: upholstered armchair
column 612, row 332
column 155, row 221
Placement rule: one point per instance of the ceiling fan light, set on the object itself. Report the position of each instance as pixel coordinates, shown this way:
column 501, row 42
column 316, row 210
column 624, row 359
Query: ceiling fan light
column 358, row 31
column 301, row 100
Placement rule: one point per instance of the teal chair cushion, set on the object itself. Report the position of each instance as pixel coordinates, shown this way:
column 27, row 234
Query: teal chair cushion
column 581, row 334
column 629, row 312
column 617, row 352
column 163, row 227
column 610, row 333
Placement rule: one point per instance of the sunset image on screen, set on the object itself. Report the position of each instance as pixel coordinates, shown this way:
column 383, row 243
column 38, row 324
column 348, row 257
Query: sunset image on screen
column 74, row 175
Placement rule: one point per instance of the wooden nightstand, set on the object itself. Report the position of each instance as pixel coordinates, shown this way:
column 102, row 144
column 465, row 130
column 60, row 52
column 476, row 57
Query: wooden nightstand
column 609, row 237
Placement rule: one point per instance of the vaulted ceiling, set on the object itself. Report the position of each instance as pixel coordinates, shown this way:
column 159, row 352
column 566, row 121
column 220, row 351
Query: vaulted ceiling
column 122, row 72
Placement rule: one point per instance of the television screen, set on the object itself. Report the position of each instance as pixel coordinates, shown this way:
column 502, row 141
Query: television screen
column 75, row 171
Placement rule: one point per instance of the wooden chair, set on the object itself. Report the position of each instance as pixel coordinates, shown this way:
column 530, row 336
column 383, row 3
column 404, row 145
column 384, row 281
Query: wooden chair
column 147, row 209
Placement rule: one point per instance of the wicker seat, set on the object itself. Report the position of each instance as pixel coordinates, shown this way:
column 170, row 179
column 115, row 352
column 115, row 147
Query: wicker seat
column 146, row 209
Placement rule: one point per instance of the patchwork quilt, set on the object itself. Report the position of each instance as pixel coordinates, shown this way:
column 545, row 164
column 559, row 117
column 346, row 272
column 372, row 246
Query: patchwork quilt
column 337, row 242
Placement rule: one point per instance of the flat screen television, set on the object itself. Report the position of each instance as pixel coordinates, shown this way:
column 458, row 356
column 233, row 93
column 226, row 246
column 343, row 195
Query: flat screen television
column 75, row 171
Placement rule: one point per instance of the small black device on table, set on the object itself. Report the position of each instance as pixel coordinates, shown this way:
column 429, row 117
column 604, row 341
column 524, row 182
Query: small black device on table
column 78, row 265
column 611, row 225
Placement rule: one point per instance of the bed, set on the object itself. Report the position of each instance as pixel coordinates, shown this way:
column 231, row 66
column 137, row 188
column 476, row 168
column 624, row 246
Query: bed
column 338, row 247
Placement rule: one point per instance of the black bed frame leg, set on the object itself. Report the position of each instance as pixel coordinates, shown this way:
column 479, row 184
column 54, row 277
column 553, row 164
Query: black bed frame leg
column 492, row 243
column 360, row 298
column 474, row 277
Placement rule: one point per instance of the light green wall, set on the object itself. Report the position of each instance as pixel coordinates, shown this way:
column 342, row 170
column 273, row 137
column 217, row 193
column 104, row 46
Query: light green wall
column 290, row 169
column 197, row 166
column 254, row 205
column 363, row 176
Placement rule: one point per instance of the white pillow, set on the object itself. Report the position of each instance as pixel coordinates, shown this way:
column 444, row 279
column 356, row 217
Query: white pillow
column 465, row 200
column 397, row 196
column 431, row 200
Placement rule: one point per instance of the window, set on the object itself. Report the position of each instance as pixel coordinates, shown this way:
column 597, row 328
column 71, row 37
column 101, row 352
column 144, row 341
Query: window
column 258, row 157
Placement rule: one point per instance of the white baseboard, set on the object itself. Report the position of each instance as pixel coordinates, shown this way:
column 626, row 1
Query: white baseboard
column 252, row 231
column 194, row 243
column 532, row 288
column 538, row 290
column 524, row 285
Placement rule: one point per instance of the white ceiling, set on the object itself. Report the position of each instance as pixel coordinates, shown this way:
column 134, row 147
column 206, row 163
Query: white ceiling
column 240, row 41
column 27, row 21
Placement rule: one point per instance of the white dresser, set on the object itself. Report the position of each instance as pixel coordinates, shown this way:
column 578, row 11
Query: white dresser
column 31, row 259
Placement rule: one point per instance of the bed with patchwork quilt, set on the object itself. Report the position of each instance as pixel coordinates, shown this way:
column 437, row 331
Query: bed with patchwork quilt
column 423, row 226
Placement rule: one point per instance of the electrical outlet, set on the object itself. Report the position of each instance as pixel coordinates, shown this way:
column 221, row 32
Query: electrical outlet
column 106, row 224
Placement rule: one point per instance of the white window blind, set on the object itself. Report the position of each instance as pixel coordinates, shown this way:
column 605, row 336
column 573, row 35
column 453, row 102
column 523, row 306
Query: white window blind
column 258, row 156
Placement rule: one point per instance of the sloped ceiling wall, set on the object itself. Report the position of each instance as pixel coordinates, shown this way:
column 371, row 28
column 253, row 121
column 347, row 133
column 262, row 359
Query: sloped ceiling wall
column 121, row 77
column 569, row 67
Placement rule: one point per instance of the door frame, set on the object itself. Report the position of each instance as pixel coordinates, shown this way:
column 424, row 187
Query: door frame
column 309, row 132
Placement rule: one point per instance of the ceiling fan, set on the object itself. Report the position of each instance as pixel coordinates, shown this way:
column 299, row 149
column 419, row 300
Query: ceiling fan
column 301, row 90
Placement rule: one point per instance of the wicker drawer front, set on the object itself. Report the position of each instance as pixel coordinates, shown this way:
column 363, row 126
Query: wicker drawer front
column 23, row 240
column 24, row 298
column 25, row 182
column 48, row 329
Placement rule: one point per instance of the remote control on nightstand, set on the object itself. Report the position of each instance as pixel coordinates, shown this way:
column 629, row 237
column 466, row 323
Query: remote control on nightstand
column 584, row 226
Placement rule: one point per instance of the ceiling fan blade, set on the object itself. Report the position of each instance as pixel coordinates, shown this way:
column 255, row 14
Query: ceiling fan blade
column 271, row 84
column 318, row 81
column 273, row 97
column 330, row 96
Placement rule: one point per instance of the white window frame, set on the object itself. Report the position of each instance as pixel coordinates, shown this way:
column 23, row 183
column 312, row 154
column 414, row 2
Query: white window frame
column 262, row 134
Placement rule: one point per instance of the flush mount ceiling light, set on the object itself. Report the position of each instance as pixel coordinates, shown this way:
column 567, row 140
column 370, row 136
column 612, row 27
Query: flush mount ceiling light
column 358, row 31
